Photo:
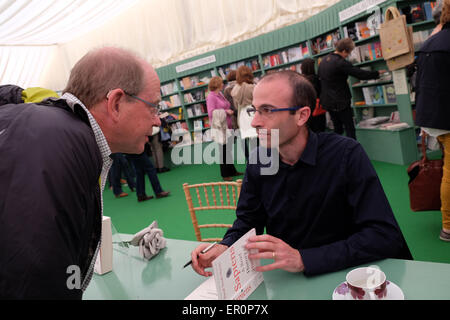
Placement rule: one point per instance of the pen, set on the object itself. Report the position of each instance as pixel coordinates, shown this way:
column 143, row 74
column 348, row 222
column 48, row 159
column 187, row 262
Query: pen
column 203, row 251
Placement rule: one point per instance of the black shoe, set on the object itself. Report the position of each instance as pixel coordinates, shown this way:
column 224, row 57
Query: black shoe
column 132, row 189
column 163, row 169
column 144, row 198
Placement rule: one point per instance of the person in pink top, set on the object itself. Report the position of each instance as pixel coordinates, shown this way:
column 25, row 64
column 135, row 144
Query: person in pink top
column 216, row 100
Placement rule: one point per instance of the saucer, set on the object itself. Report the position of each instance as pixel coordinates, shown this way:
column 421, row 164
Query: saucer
column 342, row 292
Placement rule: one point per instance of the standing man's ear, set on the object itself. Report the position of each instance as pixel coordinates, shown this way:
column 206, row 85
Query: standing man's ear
column 113, row 99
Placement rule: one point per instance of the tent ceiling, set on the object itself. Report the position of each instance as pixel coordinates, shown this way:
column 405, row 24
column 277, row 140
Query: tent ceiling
column 46, row 22
column 40, row 40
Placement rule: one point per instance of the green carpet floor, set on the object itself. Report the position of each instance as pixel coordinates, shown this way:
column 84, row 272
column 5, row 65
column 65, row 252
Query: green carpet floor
column 421, row 229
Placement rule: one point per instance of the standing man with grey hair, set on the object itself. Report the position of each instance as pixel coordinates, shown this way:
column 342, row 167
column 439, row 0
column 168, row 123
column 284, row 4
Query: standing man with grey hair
column 51, row 204
column 335, row 96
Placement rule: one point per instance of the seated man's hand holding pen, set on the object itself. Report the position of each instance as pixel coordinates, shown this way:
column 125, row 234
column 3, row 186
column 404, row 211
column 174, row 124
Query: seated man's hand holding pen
column 200, row 260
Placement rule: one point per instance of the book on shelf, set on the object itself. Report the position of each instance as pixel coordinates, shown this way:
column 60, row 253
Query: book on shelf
column 363, row 30
column 428, row 8
column 387, row 76
column 175, row 100
column 195, row 81
column 199, row 95
column 284, row 57
column 370, row 51
column 294, row 54
column 222, row 73
column 202, row 81
column 266, row 62
column 189, row 112
column 305, row 50
column 417, row 13
column 355, row 56
column 275, row 60
column 377, row 48
column 184, row 125
column 198, row 125
column 389, row 93
column 255, row 65
column 373, row 95
column 315, row 45
column 188, row 98
column 374, row 22
column 350, row 32
column 206, row 122
column 169, row 88
column 198, row 110
column 325, row 42
column 165, row 105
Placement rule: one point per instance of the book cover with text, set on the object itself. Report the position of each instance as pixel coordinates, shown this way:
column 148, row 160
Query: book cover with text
column 234, row 272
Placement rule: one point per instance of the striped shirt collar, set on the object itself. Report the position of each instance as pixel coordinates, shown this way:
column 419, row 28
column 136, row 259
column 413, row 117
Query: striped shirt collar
column 99, row 136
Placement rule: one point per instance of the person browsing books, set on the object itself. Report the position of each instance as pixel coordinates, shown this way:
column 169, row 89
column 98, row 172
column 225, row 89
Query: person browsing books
column 217, row 101
column 335, row 96
column 324, row 209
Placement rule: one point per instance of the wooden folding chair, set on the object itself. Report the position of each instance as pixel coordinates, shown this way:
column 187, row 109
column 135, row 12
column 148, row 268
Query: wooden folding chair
column 207, row 192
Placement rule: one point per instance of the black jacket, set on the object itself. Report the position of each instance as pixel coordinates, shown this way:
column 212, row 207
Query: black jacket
column 433, row 82
column 333, row 73
column 50, row 206
column 10, row 94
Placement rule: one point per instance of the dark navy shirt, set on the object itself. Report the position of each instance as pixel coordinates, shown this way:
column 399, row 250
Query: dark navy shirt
column 330, row 206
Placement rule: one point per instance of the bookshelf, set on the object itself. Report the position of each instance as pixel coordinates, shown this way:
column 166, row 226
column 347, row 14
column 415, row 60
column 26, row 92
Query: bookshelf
column 286, row 48
column 378, row 99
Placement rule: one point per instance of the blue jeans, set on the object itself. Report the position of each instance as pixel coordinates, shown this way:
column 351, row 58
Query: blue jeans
column 143, row 165
column 119, row 165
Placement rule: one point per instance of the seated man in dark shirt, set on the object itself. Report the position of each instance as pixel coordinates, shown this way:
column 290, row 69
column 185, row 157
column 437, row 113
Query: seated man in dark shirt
column 324, row 209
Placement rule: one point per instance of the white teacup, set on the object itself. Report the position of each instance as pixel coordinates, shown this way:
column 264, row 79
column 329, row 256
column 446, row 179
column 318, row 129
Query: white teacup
column 367, row 283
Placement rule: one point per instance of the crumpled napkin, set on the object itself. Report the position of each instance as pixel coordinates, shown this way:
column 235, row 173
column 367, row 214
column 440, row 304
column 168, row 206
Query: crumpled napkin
column 150, row 241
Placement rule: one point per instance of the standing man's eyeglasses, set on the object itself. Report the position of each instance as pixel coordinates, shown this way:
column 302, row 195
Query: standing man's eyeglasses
column 266, row 110
column 155, row 108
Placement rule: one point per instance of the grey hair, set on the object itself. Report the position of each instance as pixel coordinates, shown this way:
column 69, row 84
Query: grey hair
column 105, row 69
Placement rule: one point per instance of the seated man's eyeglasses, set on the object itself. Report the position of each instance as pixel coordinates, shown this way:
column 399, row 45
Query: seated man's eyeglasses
column 267, row 110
